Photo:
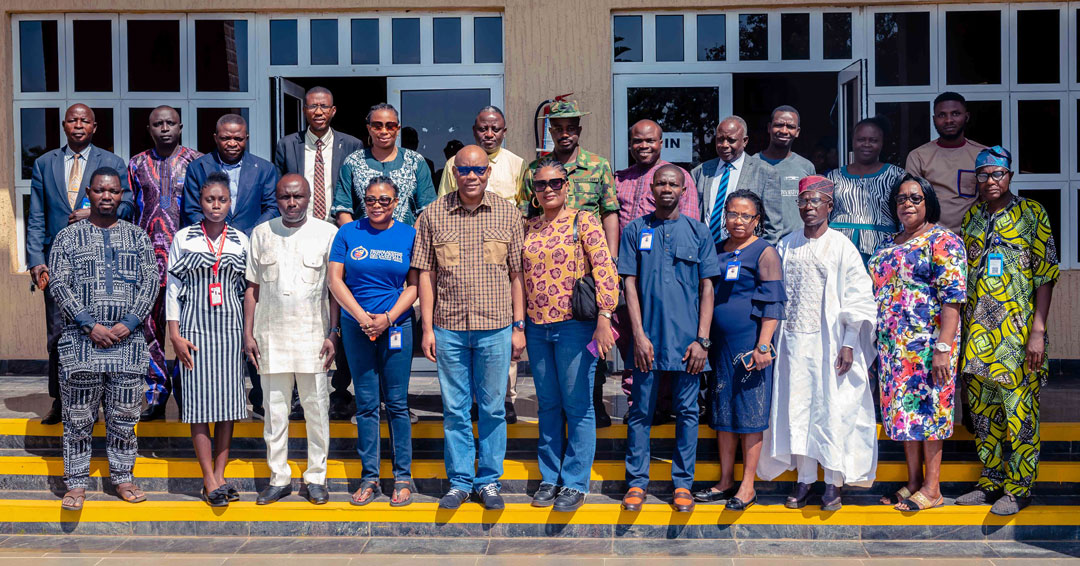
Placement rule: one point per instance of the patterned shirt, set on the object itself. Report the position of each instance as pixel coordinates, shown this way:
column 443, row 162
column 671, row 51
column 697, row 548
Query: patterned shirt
column 553, row 262
column 1000, row 310
column 157, row 184
column 103, row 276
column 633, row 187
column 409, row 172
column 593, row 186
column 473, row 253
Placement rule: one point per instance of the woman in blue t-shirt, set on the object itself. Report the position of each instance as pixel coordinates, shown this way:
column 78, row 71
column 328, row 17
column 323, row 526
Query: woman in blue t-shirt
column 371, row 280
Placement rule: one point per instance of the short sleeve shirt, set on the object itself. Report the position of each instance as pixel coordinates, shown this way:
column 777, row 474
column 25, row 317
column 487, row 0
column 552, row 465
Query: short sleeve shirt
column 376, row 263
column 593, row 188
column 668, row 279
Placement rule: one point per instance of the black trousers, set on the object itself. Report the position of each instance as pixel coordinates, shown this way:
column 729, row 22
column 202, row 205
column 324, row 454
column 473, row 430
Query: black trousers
column 54, row 326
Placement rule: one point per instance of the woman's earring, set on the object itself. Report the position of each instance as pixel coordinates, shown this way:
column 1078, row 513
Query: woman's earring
column 535, row 202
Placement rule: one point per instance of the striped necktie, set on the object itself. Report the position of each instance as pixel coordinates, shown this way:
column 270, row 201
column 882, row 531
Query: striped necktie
column 716, row 219
column 74, row 178
column 318, row 192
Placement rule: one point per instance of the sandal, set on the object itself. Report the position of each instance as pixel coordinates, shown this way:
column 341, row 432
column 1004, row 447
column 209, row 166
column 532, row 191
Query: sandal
column 130, row 492
column 895, row 499
column 73, row 501
column 365, row 485
column 400, row 486
column 798, row 497
column 919, row 502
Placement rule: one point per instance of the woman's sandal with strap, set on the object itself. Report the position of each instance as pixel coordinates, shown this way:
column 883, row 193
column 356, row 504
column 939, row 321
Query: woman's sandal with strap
column 400, row 486
column 895, row 499
column 373, row 485
column 919, row 502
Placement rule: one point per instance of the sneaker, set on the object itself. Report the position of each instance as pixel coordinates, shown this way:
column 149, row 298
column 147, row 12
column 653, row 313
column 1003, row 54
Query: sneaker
column 489, row 496
column 545, row 496
column 569, row 500
column 413, row 419
column 1010, row 504
column 453, row 499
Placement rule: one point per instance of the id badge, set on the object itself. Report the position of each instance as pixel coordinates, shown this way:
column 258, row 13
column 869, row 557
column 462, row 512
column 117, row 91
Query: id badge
column 732, row 271
column 646, row 239
column 995, row 264
column 216, row 296
column 395, row 337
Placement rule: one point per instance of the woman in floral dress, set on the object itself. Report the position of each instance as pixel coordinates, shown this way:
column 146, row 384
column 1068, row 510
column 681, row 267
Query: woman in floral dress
column 919, row 283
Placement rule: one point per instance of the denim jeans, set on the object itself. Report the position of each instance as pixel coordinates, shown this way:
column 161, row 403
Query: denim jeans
column 563, row 374
column 684, row 404
column 473, row 363
column 379, row 373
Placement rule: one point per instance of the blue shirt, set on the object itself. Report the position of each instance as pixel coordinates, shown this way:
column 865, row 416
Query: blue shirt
column 669, row 275
column 233, row 171
column 376, row 263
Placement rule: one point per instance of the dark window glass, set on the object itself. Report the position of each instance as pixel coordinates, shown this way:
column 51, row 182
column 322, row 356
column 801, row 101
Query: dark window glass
column 902, row 48
column 693, row 110
column 669, row 38
column 283, row 49
column 972, row 49
column 139, row 139
column 1051, row 201
column 153, row 54
column 406, row 41
column 712, row 37
column 836, row 35
column 627, row 39
column 795, row 36
column 910, row 129
column 324, row 42
column 446, row 40
column 221, row 55
column 206, row 122
column 39, row 61
column 985, row 124
column 1038, row 132
column 105, row 135
column 754, row 37
column 1038, row 47
column 39, row 133
column 488, row 40
column 93, row 55
column 440, row 116
column 365, row 41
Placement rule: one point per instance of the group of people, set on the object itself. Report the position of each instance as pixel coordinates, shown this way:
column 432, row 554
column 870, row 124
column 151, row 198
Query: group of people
column 780, row 290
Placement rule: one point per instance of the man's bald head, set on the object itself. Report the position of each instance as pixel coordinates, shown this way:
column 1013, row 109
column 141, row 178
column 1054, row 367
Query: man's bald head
column 291, row 180
column 670, row 169
column 471, row 155
column 471, row 170
column 79, row 107
column 293, row 195
column 646, row 142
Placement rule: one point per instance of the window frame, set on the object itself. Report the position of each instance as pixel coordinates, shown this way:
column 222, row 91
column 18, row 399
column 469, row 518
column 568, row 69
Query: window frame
column 185, row 56
column 61, row 57
column 69, row 62
column 1006, row 27
column 1066, row 133
column 1063, row 55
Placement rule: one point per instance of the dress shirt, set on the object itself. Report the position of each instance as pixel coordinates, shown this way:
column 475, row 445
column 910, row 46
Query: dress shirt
column 69, row 161
column 309, row 167
column 633, row 186
column 732, row 186
column 233, row 171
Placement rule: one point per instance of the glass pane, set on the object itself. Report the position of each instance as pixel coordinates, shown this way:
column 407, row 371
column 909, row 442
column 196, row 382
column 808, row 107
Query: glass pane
column 669, row 38
column 1038, row 132
column 221, row 55
column 754, row 37
column 442, row 115
column 794, row 36
column 39, row 133
column 689, row 110
column 365, row 41
column 39, row 61
column 902, row 48
column 836, row 35
column 139, row 139
column 324, row 42
column 972, row 51
column 406, row 41
column 1038, row 47
column 712, row 37
column 92, row 43
column 153, row 55
column 283, row 48
column 446, row 41
column 487, row 40
column 627, row 39
column 105, row 135
column 910, row 129
column 985, row 124
column 1051, row 201
column 206, row 121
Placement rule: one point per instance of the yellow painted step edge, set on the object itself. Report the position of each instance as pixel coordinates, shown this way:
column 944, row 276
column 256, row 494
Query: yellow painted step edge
column 41, row 511
column 1049, row 472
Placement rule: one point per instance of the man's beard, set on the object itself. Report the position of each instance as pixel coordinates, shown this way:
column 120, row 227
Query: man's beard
column 959, row 134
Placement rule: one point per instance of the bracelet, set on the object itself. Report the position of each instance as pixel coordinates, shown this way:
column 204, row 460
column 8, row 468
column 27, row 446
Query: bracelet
column 388, row 321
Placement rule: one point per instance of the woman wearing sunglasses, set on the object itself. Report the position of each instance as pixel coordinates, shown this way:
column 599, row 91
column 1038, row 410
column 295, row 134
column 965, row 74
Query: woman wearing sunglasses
column 371, row 280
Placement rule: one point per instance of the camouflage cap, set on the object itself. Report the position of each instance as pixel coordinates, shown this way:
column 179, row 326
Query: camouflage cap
column 565, row 109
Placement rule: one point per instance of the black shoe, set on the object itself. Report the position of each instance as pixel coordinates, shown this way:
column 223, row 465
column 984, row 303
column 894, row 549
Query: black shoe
column 217, row 498
column 297, row 413
column 317, row 494
column 413, row 419
column 711, row 495
column 272, row 493
column 153, row 413
column 54, row 416
column 511, row 415
column 234, row 494
column 474, row 413
column 569, row 500
column 489, row 496
column 340, row 413
column 602, row 418
column 545, row 496
column 258, row 412
column 453, row 499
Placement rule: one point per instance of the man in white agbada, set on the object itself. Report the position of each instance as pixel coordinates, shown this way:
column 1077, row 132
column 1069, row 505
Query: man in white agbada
column 823, row 407
column 290, row 333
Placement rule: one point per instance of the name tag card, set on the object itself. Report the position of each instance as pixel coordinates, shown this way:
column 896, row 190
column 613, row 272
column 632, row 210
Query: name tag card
column 646, row 239
column 395, row 337
column 995, row 264
column 216, row 295
column 732, row 271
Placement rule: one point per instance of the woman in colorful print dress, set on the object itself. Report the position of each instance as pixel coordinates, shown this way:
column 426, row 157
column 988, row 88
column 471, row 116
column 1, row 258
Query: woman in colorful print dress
column 919, row 282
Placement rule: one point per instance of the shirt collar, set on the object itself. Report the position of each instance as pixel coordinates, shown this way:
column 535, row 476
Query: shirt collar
column 456, row 203
column 737, row 164
column 327, row 139
column 226, row 166
column 494, row 157
column 70, row 153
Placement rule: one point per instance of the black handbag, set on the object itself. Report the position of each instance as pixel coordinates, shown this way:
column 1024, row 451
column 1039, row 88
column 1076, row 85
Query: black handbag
column 583, row 298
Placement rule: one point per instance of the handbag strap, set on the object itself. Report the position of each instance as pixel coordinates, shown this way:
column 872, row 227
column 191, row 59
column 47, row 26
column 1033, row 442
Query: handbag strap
column 580, row 248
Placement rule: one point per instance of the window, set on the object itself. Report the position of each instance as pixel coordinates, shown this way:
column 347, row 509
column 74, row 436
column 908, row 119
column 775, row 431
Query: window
column 153, row 55
column 283, row 40
column 93, row 56
column 985, row 124
column 794, row 36
column 446, row 42
column 836, row 35
column 711, row 37
column 487, row 40
column 753, row 37
column 902, row 48
column 365, row 41
column 669, row 38
column 1038, row 46
column 221, row 55
column 39, row 59
column 324, row 42
column 910, row 129
column 39, row 131
column 406, row 41
column 1038, row 131
column 973, row 47
column 105, row 135
column 627, row 40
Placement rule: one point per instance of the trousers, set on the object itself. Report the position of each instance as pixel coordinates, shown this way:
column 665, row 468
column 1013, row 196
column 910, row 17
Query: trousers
column 81, row 394
column 808, row 468
column 1003, row 414
column 315, row 399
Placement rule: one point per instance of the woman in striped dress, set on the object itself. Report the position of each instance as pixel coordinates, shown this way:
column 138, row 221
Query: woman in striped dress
column 205, row 310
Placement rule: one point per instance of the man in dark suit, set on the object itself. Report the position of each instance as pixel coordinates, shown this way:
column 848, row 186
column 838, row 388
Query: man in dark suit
column 58, row 198
column 307, row 153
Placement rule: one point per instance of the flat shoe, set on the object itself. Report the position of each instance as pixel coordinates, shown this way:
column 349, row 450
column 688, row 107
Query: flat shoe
column 217, row 498
column 798, row 497
column 736, row 504
column 633, row 499
column 683, row 501
column 979, row 496
column 831, row 500
column 1010, row 504
column 711, row 495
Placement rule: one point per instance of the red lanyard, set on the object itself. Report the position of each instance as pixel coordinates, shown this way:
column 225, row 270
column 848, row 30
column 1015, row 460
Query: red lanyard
column 210, row 244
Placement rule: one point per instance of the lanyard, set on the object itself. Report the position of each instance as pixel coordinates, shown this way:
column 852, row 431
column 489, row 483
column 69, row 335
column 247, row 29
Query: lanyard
column 210, row 244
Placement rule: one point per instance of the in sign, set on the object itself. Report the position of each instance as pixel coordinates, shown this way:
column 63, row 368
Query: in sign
column 678, row 147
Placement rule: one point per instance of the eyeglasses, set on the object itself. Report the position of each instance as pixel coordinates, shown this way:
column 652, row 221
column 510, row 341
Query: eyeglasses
column 913, row 199
column 553, row 185
column 465, row 171
column 995, row 175
column 813, row 202
column 323, row 107
column 739, row 216
column 388, row 126
column 382, row 201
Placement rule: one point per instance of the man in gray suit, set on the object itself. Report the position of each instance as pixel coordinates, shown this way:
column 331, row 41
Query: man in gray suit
column 58, row 198
column 733, row 170
column 317, row 154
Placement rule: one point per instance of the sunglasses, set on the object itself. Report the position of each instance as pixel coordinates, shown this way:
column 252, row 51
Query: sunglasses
column 383, row 201
column 388, row 126
column 465, row 171
column 913, row 199
column 995, row 175
column 553, row 185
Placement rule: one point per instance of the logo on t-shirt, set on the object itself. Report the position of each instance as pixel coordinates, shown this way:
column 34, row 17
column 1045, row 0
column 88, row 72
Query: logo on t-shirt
column 359, row 253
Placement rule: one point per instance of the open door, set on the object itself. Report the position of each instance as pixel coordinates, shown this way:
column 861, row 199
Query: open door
column 851, row 105
column 287, row 115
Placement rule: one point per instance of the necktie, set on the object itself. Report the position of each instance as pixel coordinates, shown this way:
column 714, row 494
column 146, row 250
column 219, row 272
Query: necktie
column 74, row 178
column 318, row 192
column 716, row 219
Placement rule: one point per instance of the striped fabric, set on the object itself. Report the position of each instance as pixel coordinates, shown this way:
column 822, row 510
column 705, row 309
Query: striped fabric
column 861, row 205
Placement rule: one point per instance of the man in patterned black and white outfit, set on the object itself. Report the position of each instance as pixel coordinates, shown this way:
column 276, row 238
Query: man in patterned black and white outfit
column 104, row 281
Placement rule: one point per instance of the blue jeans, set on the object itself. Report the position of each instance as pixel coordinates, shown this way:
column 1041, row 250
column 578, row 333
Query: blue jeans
column 379, row 373
column 684, row 396
column 563, row 374
column 473, row 364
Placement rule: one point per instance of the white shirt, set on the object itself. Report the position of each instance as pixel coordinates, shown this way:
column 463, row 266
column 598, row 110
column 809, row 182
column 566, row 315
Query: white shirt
column 183, row 245
column 732, row 186
column 505, row 180
column 309, row 167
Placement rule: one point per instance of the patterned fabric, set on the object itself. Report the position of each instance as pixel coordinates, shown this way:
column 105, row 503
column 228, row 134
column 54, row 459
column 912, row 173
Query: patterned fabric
column 594, row 186
column 318, row 205
column 633, row 186
column 861, row 206
column 999, row 411
column 409, row 172
column 717, row 226
column 912, row 282
column 74, row 178
column 105, row 276
column 473, row 253
column 1000, row 310
column 81, row 394
column 553, row 262
column 996, row 155
column 816, row 183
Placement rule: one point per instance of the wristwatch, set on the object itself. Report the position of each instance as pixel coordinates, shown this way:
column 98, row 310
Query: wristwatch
column 605, row 314
column 87, row 329
column 519, row 325
column 336, row 330
column 943, row 347
column 763, row 348
column 705, row 342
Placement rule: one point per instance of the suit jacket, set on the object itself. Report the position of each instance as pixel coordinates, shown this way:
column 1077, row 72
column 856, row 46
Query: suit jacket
column 757, row 177
column 255, row 196
column 289, row 154
column 49, row 205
